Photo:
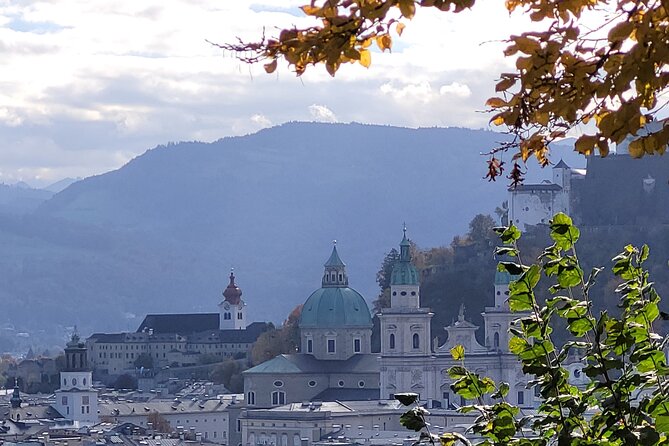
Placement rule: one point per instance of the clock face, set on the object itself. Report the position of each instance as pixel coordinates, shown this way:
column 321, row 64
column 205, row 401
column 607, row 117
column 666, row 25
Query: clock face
column 226, row 306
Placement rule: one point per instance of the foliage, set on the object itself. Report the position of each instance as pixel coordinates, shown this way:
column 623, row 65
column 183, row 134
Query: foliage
column 144, row 360
column 159, row 423
column 627, row 399
column 229, row 373
column 125, row 382
column 275, row 342
column 383, row 279
column 611, row 71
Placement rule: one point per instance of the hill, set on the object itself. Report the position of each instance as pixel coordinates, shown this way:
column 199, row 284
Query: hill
column 161, row 233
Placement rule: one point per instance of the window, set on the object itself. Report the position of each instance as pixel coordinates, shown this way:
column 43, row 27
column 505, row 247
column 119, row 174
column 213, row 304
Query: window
column 85, row 400
column 312, row 383
column 521, row 397
column 64, row 382
column 239, row 315
column 74, row 381
column 310, row 345
column 251, row 398
column 278, row 398
column 239, row 425
column 278, row 383
column 340, row 383
column 403, row 293
column 496, row 340
column 392, row 340
column 361, row 384
column 413, row 293
column 63, row 401
column 331, row 345
column 416, row 340
column 356, row 345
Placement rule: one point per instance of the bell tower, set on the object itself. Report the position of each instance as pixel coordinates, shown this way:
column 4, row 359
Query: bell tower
column 232, row 309
column 76, row 399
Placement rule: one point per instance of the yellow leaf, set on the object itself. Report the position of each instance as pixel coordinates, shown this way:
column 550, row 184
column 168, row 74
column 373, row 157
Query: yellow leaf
column 407, row 8
column 497, row 120
column 399, row 28
column 365, row 58
column 585, row 144
column 310, row 10
column 384, row 42
column 621, row 31
column 458, row 352
column 495, row 103
column 635, row 148
column 270, row 67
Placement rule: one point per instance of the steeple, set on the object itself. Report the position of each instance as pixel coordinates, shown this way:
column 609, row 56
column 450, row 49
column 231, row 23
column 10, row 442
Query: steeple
column 232, row 293
column 232, row 309
column 334, row 275
column 16, row 395
column 404, row 273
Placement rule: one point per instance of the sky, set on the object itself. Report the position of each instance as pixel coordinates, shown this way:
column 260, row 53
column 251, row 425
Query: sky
column 85, row 86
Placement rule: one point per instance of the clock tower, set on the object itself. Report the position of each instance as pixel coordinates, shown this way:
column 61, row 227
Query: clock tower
column 233, row 308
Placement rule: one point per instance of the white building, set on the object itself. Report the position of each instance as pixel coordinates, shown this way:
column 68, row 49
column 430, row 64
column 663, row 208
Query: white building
column 535, row 204
column 76, row 399
column 408, row 362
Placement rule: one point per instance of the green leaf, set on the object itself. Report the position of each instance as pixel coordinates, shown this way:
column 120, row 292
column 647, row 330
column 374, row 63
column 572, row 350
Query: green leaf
column 457, row 372
column 509, row 234
column 502, row 390
column 563, row 232
column 512, row 268
column 413, row 419
column 407, row 399
column 458, row 352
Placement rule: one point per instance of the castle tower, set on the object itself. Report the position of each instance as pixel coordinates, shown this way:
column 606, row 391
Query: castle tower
column 232, row 309
column 76, row 399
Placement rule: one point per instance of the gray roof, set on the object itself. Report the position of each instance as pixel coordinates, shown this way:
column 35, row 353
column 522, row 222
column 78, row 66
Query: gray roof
column 180, row 323
column 126, row 408
column 304, row 363
column 536, row 187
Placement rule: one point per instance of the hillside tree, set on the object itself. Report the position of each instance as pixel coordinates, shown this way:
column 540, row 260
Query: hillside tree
column 611, row 72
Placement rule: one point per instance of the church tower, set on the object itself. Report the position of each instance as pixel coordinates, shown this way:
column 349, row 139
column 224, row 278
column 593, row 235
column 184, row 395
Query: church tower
column 233, row 308
column 335, row 322
column 76, row 399
column 405, row 331
column 499, row 317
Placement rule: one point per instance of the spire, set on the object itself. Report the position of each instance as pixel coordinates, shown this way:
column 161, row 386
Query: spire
column 232, row 294
column 335, row 270
column 16, row 395
column 334, row 260
column 404, row 273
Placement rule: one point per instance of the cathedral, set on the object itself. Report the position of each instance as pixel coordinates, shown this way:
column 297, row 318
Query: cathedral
column 336, row 362
column 410, row 363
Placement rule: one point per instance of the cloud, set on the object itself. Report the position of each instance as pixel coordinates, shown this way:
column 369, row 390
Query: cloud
column 261, row 120
column 455, row 89
column 322, row 113
column 82, row 97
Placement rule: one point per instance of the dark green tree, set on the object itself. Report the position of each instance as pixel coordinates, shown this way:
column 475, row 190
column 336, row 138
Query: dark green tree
column 144, row 360
column 383, row 279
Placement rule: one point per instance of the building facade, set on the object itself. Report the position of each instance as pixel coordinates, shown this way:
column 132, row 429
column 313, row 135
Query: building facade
column 179, row 340
column 335, row 359
column 76, row 399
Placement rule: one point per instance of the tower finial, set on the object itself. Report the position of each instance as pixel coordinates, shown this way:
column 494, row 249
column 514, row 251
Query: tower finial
column 334, row 242
column 404, row 228
column 461, row 312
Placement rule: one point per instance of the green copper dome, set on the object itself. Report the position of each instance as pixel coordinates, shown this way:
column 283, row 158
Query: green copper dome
column 335, row 307
column 404, row 273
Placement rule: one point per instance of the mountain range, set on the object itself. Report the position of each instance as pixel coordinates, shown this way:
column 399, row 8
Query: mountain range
column 161, row 233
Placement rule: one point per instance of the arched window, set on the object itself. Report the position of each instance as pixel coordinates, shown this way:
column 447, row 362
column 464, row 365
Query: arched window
column 278, row 398
column 296, row 440
column 416, row 340
column 392, row 340
column 496, row 340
